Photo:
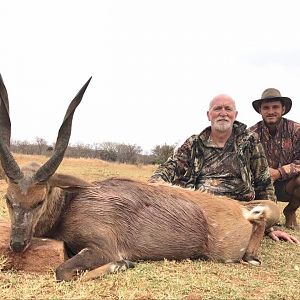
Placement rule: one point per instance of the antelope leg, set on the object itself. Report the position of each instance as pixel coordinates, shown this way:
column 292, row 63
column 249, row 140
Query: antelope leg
column 86, row 259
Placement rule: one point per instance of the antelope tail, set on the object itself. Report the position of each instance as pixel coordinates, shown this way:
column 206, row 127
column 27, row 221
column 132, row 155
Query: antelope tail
column 256, row 213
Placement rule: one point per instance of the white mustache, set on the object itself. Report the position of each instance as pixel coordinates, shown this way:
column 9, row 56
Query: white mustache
column 223, row 119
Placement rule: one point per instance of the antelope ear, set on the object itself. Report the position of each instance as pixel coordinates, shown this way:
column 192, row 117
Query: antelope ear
column 68, row 182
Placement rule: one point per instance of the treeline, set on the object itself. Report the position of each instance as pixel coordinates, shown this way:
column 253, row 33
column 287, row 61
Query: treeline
column 108, row 151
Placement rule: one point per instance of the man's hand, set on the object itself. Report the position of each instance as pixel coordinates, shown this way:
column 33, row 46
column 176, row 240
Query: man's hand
column 278, row 235
column 275, row 174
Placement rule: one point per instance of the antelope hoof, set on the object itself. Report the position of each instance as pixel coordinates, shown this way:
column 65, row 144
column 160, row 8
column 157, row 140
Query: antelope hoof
column 65, row 275
column 254, row 261
column 122, row 265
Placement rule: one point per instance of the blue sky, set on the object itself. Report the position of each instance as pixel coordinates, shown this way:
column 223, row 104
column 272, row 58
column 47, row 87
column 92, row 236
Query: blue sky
column 155, row 64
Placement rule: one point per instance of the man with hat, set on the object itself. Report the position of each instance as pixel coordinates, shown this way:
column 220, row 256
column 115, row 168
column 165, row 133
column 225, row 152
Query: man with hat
column 225, row 159
column 280, row 138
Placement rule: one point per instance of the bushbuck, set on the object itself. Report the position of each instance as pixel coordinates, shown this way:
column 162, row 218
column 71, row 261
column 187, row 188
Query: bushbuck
column 108, row 225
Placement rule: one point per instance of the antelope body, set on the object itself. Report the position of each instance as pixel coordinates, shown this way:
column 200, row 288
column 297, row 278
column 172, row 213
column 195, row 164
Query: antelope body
column 106, row 225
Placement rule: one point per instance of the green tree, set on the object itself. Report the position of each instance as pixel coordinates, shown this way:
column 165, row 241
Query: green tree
column 162, row 152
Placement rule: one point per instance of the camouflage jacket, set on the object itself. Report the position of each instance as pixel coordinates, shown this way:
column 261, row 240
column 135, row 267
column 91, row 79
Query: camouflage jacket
column 184, row 167
column 282, row 149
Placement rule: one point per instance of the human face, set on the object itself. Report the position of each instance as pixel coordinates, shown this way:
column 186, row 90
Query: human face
column 222, row 113
column 272, row 112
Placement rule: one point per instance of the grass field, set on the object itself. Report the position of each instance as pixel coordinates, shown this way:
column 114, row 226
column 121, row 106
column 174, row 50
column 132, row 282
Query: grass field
column 277, row 278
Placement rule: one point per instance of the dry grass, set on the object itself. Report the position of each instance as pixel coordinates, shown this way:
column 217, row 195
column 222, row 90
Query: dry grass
column 277, row 278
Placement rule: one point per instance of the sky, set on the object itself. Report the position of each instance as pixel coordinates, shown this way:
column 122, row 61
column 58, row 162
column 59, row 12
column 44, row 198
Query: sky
column 155, row 65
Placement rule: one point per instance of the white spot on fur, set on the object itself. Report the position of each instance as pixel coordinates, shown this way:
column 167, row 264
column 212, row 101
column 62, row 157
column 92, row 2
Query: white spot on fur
column 257, row 209
column 82, row 251
column 113, row 268
column 242, row 250
column 253, row 262
column 254, row 213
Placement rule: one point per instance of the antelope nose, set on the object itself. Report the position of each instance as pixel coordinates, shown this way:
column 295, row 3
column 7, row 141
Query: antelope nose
column 17, row 245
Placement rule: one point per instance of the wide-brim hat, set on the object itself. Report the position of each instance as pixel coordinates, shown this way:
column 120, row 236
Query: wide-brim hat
column 272, row 94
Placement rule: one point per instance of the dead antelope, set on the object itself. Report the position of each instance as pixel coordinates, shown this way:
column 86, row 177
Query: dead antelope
column 108, row 224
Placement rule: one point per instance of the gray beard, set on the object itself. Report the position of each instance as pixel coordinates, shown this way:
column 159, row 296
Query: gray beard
column 222, row 128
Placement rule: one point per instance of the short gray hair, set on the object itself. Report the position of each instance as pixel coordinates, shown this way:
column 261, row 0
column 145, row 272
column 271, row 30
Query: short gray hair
column 218, row 96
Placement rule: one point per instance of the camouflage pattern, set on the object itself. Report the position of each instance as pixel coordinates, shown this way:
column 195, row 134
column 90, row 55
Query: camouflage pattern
column 283, row 149
column 239, row 170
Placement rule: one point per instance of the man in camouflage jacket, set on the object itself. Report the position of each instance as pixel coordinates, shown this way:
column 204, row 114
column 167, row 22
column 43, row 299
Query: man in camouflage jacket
column 240, row 169
column 224, row 159
column 280, row 138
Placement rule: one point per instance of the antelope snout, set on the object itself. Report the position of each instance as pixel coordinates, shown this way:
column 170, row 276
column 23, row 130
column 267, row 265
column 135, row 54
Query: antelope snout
column 18, row 244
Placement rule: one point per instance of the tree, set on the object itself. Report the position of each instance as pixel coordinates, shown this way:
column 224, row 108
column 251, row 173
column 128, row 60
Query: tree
column 108, row 151
column 162, row 152
column 128, row 153
column 42, row 145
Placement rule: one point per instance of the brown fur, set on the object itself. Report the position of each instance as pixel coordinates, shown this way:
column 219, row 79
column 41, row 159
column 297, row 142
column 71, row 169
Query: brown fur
column 111, row 222
column 121, row 219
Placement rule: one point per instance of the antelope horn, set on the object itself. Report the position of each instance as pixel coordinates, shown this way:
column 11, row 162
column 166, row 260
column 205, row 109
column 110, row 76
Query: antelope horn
column 9, row 165
column 4, row 114
column 64, row 133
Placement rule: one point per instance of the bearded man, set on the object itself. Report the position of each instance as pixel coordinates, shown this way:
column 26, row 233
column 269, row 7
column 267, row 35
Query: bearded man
column 224, row 159
column 280, row 138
